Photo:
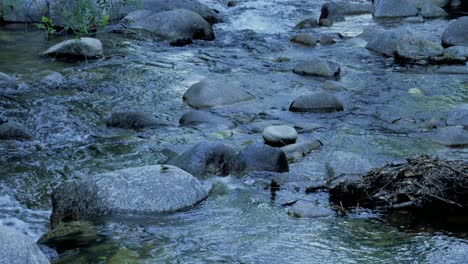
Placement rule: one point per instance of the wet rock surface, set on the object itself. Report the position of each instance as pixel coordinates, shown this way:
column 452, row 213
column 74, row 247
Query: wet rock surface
column 17, row 248
column 81, row 48
column 142, row 191
column 320, row 102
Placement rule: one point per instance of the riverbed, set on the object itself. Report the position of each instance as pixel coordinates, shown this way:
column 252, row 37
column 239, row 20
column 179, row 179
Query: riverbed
column 384, row 119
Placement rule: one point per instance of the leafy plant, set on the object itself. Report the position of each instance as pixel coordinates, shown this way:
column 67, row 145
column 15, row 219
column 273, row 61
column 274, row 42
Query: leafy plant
column 47, row 25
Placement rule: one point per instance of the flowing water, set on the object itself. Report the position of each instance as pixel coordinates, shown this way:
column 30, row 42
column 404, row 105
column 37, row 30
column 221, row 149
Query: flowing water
column 382, row 121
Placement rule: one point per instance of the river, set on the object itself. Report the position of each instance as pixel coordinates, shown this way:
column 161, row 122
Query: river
column 383, row 120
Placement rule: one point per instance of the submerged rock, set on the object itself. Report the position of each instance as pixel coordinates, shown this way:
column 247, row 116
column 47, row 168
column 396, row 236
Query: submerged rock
column 81, row 48
column 172, row 25
column 261, row 157
column 195, row 117
column 319, row 102
column 209, row 93
column 304, row 39
column 309, row 209
column 14, row 131
column 134, row 191
column 297, row 151
column 395, row 8
column 132, row 120
column 452, row 136
column 6, row 81
column 71, row 235
column 16, row 248
column 53, row 80
column 456, row 33
column 307, row 23
column 458, row 116
column 278, row 136
column 207, row 159
column 318, row 67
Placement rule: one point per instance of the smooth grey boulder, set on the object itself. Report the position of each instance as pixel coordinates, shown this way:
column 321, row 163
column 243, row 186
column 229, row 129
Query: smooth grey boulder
column 336, row 11
column 309, row 209
column 132, row 120
column 297, row 151
column 432, row 11
column 458, row 116
column 207, row 159
column 386, row 41
column 318, row 102
column 261, row 157
column 278, row 136
column 81, row 48
column 171, row 25
column 195, row 117
column 414, row 48
column 210, row 93
column 456, row 33
column 14, row 131
column 318, row 67
column 304, row 39
column 395, row 8
column 16, row 248
column 346, row 163
column 157, row 6
column 456, row 53
column 452, row 136
column 144, row 190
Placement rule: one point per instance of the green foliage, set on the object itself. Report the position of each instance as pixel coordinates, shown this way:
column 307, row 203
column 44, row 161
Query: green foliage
column 47, row 25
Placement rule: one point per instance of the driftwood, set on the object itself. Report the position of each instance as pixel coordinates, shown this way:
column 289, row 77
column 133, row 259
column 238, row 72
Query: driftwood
column 421, row 183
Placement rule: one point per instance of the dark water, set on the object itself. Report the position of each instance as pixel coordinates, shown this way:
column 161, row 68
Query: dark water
column 386, row 108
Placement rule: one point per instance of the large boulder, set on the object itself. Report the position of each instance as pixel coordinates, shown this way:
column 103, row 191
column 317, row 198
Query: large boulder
column 395, row 8
column 439, row 3
column 144, row 190
column 336, row 11
column 207, row 159
column 209, row 93
column 278, row 136
column 413, row 49
column 458, row 116
column 386, row 41
column 171, row 25
column 318, row 67
column 80, row 48
column 14, row 131
column 165, row 5
column 61, row 11
column 456, row 33
column 319, row 102
column 132, row 120
column 195, row 117
column 456, row 53
column 16, row 248
column 261, row 157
